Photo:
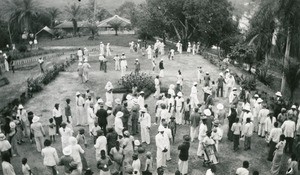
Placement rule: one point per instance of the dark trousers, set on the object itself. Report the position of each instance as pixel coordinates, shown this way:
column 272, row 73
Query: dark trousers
column 289, row 144
column 271, row 151
column 230, row 133
column 125, row 123
column 247, row 143
column 101, row 65
column 134, row 127
column 104, row 67
column 103, row 127
column 220, row 89
column 58, row 121
column 236, row 140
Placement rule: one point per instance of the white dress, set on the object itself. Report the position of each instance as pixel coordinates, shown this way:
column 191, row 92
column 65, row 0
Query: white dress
column 65, row 133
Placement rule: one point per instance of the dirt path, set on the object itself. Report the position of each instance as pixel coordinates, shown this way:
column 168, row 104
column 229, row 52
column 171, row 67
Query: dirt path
column 67, row 84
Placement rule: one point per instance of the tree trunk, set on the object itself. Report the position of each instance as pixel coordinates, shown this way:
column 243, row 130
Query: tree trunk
column 116, row 32
column 267, row 58
column 74, row 26
column 286, row 60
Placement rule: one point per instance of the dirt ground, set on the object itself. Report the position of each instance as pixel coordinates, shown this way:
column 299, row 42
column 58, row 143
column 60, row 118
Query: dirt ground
column 67, row 84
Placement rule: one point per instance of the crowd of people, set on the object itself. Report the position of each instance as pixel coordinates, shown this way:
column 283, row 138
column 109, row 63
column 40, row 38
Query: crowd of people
column 119, row 129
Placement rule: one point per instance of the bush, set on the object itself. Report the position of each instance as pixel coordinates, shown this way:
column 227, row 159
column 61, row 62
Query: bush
column 22, row 48
column 248, row 82
column 263, row 76
column 142, row 81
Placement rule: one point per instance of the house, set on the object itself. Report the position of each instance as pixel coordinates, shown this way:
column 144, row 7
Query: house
column 67, row 26
column 45, row 33
column 115, row 25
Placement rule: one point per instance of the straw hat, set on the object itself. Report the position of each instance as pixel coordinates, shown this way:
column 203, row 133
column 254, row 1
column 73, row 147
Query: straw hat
column 20, row 106
column 207, row 112
column 126, row 133
column 247, row 108
column 195, row 83
column 143, row 110
column 119, row 114
column 35, row 119
column 256, row 96
column 293, row 107
column 142, row 92
column 2, row 136
column 100, row 100
column 278, row 94
column 259, row 100
column 220, row 106
column 67, row 151
column 161, row 128
column 137, row 143
column 117, row 101
column 77, row 93
column 179, row 94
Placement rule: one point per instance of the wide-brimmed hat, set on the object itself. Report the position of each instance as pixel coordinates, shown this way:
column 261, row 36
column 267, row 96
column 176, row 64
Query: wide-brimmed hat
column 109, row 111
column 278, row 94
column 67, row 151
column 119, row 114
column 20, row 106
column 293, row 107
column 247, row 108
column 143, row 109
column 216, row 122
column 35, row 119
column 128, row 97
column 100, row 100
column 126, row 133
column 77, row 93
column 108, row 104
column 179, row 94
column 259, row 100
column 160, row 128
column 195, row 83
column 256, row 95
column 117, row 101
column 79, row 64
column 220, row 106
column 227, row 70
column 2, row 136
column 207, row 112
column 221, row 74
column 137, row 143
column 142, row 92
column 178, row 82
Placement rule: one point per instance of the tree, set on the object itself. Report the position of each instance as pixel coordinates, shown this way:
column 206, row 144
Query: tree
column 244, row 53
column 292, row 74
column 116, row 26
column 53, row 14
column 74, row 11
column 128, row 10
column 4, row 35
column 94, row 12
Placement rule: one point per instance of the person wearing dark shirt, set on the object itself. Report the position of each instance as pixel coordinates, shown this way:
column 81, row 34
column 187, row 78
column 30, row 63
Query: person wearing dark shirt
column 161, row 68
column 126, row 115
column 184, row 155
column 137, row 66
column 221, row 82
column 112, row 138
column 102, row 118
column 66, row 159
column 118, row 106
column 68, row 113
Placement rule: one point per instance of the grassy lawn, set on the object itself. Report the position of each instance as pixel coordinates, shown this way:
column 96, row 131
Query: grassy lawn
column 67, row 84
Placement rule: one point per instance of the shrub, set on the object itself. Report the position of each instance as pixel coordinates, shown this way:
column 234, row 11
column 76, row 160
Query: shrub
column 248, row 82
column 263, row 76
column 22, row 48
column 34, row 85
column 141, row 80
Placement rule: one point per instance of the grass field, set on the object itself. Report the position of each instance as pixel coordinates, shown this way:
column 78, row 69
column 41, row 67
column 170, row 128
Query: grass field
column 67, row 84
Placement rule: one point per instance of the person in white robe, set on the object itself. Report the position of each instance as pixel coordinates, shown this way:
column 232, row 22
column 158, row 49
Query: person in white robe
column 109, row 94
column 117, row 62
column 91, row 117
column 65, row 133
column 217, row 134
column 101, row 47
column 23, row 117
column 79, row 117
column 269, row 124
column 149, row 52
column 256, row 108
column 194, row 48
column 262, row 115
column 202, row 133
column 141, row 99
column 168, row 134
column 86, row 67
column 108, row 51
column 80, row 55
column 157, row 87
column 179, row 106
column 119, row 123
column 123, row 64
column 101, row 144
column 161, row 141
column 145, row 122
column 194, row 96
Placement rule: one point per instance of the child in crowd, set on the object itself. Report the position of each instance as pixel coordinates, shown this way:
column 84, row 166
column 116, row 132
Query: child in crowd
column 94, row 131
column 83, row 143
column 25, row 167
column 136, row 163
column 187, row 110
column 172, row 126
column 148, row 164
column 51, row 130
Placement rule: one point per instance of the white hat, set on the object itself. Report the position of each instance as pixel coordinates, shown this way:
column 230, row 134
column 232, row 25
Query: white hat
column 80, row 64
column 142, row 92
column 128, row 97
column 227, row 70
column 99, row 100
column 162, row 59
column 143, row 110
column 259, row 100
column 20, row 106
column 109, row 111
column 134, row 101
column 85, row 60
column 2, row 136
column 12, row 125
column 35, row 119
column 161, row 128
column 137, row 59
column 119, row 114
column 118, row 101
column 234, row 89
column 137, row 143
column 178, row 82
column 247, row 108
column 278, row 94
column 221, row 74
column 67, row 151
column 220, row 106
column 108, row 104
column 207, row 72
column 207, row 112
column 77, row 93
column 179, row 94
column 171, row 86
column 195, row 83
column 293, row 107
column 256, row 96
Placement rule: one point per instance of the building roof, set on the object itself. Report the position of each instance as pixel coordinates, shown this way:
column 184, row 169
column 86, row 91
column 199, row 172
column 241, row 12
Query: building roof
column 114, row 19
column 69, row 24
column 47, row 29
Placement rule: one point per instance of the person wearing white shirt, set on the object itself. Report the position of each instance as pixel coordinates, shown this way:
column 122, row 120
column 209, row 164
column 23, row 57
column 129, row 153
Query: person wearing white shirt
column 161, row 141
column 79, row 54
column 202, row 135
column 108, row 52
column 91, row 116
column 119, row 123
column 243, row 170
column 123, row 64
column 274, row 139
column 269, row 124
column 141, row 99
column 230, row 83
column 178, row 108
column 101, row 47
column 262, row 115
column 23, row 117
column 288, row 127
column 101, row 144
column 157, row 87
column 57, row 115
column 248, row 132
column 86, row 66
column 117, row 62
column 193, row 95
column 65, row 133
column 164, row 113
column 50, row 157
column 145, row 121
column 168, row 134
column 149, row 52
column 255, row 110
column 79, row 117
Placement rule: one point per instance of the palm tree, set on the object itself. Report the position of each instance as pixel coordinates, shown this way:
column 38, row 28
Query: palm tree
column 21, row 13
column 53, row 14
column 292, row 74
column 74, row 12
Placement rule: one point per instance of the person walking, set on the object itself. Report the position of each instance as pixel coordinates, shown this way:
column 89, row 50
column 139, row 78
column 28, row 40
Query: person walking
column 276, row 163
column 243, row 170
column 221, row 82
column 137, row 66
column 65, row 133
column 119, row 123
column 236, row 128
column 57, row 115
column 288, row 128
column 161, row 68
column 149, row 52
column 68, row 112
column 117, row 62
column 101, row 144
column 80, row 71
column 86, row 67
column 195, row 120
column 108, row 50
column 274, row 139
column 101, row 60
column 50, row 157
column 202, row 134
column 248, row 132
column 102, row 118
column 76, row 152
column 183, row 163
column 38, row 132
column 178, row 108
column 231, row 119
column 101, row 47
column 262, row 115
column 194, row 96
column 157, row 86
column 23, row 117
column 145, row 121
column 123, row 64
column 79, row 119
column 161, row 145
column 66, row 160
